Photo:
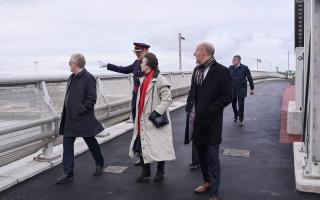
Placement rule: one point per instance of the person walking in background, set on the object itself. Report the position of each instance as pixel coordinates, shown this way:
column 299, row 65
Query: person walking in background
column 139, row 50
column 152, row 136
column 240, row 74
column 78, row 119
column 210, row 93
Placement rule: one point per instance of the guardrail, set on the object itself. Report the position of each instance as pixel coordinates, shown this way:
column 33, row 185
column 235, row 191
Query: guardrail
column 30, row 108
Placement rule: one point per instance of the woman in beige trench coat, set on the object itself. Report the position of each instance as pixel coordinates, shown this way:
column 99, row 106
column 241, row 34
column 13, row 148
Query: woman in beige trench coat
column 152, row 144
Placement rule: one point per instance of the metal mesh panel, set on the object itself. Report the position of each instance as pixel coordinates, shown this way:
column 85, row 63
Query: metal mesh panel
column 57, row 92
column 116, row 88
column 188, row 77
column 168, row 77
column 21, row 104
column 178, row 81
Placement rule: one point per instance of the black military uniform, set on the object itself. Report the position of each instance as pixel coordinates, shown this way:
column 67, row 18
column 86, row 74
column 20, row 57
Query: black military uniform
column 135, row 69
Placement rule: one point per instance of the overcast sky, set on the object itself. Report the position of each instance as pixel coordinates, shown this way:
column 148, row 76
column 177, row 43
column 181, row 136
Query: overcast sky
column 49, row 31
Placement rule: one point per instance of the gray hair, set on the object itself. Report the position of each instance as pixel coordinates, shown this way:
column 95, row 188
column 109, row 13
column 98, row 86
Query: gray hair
column 79, row 59
column 237, row 56
column 208, row 48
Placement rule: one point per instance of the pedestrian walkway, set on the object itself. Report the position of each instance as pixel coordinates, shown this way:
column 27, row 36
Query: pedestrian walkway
column 268, row 173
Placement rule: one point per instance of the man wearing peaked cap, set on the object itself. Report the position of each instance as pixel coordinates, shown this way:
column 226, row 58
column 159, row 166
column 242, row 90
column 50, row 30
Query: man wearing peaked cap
column 139, row 50
column 140, row 46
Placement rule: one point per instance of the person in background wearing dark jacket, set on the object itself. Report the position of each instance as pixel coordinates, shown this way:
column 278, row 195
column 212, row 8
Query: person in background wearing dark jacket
column 210, row 93
column 78, row 119
column 240, row 74
column 139, row 49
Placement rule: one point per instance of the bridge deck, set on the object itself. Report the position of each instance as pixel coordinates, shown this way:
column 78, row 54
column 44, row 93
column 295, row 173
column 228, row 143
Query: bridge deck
column 267, row 174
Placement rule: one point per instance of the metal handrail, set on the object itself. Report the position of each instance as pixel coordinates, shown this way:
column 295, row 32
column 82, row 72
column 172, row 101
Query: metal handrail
column 23, row 126
column 61, row 77
column 48, row 134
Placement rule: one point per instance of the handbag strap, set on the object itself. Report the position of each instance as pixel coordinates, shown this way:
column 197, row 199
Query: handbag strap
column 152, row 98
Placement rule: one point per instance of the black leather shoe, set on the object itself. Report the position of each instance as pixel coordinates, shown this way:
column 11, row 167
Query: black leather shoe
column 158, row 177
column 235, row 118
column 160, row 172
column 98, row 171
column 145, row 173
column 65, row 178
column 144, row 176
column 138, row 163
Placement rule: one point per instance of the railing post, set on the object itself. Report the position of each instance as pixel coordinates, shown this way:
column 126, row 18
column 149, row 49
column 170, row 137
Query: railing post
column 100, row 91
column 47, row 151
column 171, row 78
column 184, row 78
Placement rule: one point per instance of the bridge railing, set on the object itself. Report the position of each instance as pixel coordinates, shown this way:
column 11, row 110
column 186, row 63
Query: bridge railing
column 30, row 108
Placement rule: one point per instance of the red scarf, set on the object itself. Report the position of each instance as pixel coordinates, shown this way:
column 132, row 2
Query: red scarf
column 143, row 91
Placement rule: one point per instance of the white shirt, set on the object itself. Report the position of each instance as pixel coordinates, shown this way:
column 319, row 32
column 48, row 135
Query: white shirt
column 79, row 71
column 206, row 72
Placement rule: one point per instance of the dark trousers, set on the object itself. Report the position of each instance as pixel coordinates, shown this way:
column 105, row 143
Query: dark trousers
column 238, row 110
column 133, row 104
column 210, row 166
column 146, row 166
column 68, row 152
column 195, row 157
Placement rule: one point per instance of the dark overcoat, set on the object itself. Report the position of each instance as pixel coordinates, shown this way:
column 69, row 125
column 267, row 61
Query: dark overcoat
column 78, row 119
column 239, row 76
column 210, row 99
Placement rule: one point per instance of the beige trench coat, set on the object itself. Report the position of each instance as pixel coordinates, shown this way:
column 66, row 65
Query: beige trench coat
column 157, row 143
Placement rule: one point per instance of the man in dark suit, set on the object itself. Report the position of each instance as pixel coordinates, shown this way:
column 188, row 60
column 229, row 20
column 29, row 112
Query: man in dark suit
column 210, row 93
column 139, row 50
column 78, row 119
column 240, row 74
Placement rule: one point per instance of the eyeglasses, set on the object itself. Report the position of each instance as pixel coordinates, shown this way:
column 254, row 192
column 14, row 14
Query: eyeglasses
column 70, row 62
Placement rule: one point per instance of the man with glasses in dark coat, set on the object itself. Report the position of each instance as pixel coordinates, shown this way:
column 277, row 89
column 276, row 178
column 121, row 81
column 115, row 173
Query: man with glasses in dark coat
column 78, row 118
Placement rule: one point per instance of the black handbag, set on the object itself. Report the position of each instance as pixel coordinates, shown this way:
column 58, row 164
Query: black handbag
column 160, row 120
